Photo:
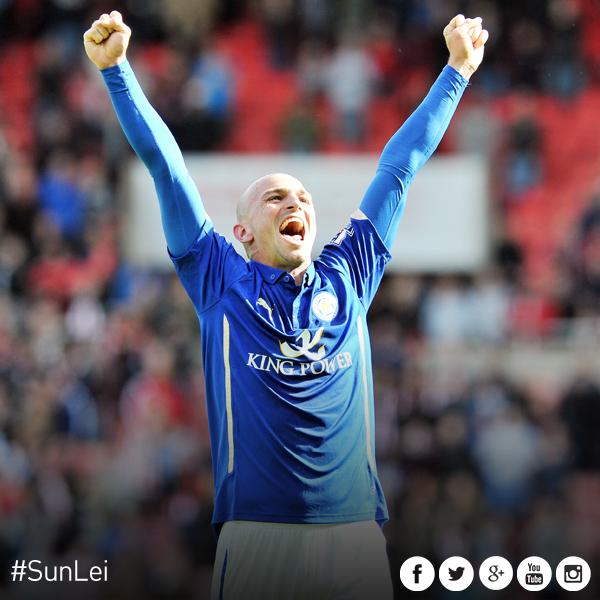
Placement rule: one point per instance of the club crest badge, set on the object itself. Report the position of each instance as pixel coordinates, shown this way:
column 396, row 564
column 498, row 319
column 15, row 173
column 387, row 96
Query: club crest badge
column 325, row 306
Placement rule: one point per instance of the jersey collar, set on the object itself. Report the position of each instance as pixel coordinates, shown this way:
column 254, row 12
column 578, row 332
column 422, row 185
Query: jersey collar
column 272, row 275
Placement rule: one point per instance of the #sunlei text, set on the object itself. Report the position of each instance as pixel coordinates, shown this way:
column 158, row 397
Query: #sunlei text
column 34, row 570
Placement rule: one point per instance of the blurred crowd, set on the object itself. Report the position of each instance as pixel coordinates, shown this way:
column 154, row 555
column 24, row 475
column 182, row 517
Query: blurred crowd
column 103, row 433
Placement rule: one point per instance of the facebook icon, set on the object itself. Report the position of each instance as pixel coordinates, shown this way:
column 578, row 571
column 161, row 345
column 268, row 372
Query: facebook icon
column 417, row 572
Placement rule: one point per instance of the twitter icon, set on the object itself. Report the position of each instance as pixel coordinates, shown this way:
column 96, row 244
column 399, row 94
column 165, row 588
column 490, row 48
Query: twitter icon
column 456, row 573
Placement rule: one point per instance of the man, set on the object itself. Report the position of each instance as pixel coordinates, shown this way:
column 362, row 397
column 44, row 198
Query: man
column 285, row 346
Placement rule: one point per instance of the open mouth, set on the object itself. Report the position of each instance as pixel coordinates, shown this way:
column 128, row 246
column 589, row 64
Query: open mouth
column 292, row 229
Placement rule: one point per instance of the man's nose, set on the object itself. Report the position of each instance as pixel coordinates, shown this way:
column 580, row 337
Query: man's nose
column 293, row 201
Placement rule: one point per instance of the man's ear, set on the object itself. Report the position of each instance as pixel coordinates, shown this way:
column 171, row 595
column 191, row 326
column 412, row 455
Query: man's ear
column 242, row 234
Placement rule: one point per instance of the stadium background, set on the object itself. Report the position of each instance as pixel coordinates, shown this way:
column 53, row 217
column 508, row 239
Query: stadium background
column 487, row 397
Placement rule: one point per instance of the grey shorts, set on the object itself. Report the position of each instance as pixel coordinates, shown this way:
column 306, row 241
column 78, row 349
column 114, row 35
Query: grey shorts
column 283, row 561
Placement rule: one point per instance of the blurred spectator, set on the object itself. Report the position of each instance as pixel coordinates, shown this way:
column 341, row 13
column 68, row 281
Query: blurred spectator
column 445, row 314
column 582, row 263
column 281, row 33
column 523, row 161
column 85, row 318
column 589, row 220
column 509, row 257
column 489, row 302
column 533, row 314
column 590, row 20
column 564, row 74
column 152, row 401
column 189, row 22
column 207, row 102
column 13, row 257
column 506, row 451
column 350, row 78
column 477, row 130
column 61, row 198
column 57, row 272
column 301, row 129
column 20, row 189
column 214, row 80
column 316, row 18
column 526, row 44
column 312, row 69
column 580, row 410
column 382, row 48
column 452, row 436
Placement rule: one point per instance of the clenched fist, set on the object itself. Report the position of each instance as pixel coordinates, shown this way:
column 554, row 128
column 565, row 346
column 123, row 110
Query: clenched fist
column 465, row 39
column 106, row 40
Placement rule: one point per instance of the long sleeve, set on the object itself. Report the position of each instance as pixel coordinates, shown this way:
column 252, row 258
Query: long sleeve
column 408, row 150
column 183, row 216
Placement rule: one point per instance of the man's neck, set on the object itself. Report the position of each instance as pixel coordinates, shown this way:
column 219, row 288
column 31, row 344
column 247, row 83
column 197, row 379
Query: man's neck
column 298, row 273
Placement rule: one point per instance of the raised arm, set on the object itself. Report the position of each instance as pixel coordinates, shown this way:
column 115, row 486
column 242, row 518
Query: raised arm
column 183, row 215
column 411, row 146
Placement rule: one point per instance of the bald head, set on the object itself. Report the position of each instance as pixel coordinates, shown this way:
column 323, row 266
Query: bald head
column 258, row 187
column 276, row 222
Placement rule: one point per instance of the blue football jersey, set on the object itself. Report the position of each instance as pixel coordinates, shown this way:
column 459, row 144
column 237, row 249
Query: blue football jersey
column 288, row 379
column 287, row 368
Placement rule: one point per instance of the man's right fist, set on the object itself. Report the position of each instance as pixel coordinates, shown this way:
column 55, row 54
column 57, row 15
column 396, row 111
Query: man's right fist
column 106, row 40
column 466, row 40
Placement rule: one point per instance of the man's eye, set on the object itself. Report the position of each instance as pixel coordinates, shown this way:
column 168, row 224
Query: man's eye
column 276, row 197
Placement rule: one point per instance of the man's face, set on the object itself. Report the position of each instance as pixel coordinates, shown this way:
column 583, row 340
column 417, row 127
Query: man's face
column 277, row 222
